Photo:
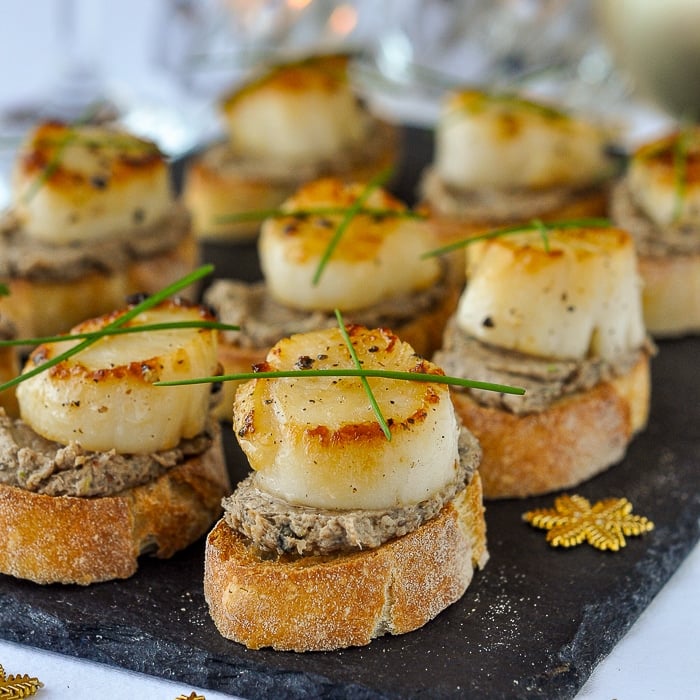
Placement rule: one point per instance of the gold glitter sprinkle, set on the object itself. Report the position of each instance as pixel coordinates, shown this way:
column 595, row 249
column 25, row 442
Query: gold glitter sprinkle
column 13, row 687
column 604, row 525
column 191, row 696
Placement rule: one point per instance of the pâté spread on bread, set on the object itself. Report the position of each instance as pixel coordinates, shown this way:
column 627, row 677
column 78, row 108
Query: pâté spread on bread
column 34, row 463
column 93, row 218
column 102, row 465
column 335, row 509
column 277, row 525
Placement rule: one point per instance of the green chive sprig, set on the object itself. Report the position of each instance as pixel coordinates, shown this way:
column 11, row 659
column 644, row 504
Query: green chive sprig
column 357, row 208
column 352, row 211
column 544, row 233
column 365, row 384
column 107, row 332
column 681, row 151
column 356, row 371
column 353, row 372
column 132, row 313
column 71, row 136
column 544, row 228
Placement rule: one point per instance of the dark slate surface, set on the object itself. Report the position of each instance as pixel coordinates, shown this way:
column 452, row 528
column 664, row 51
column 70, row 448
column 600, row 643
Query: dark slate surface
column 532, row 624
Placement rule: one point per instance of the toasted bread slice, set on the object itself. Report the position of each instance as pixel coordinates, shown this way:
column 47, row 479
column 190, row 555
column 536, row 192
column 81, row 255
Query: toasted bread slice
column 330, row 602
column 575, row 438
column 66, row 539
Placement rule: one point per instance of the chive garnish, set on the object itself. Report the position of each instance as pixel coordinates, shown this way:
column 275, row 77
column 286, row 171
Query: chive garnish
column 544, row 233
column 146, row 304
column 353, row 372
column 535, row 225
column 365, row 384
column 106, row 331
column 45, row 175
column 681, row 148
column 72, row 135
column 357, row 371
column 352, row 211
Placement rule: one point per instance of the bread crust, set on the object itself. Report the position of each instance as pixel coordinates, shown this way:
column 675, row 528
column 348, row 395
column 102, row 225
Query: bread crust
column 330, row 602
column 213, row 191
column 671, row 294
column 40, row 308
column 574, row 439
column 65, row 539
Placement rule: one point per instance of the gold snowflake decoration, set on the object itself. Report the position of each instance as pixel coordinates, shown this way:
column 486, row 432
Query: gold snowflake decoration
column 604, row 525
column 13, row 687
column 191, row 696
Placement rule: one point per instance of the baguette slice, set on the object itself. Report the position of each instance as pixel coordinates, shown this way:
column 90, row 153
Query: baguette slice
column 671, row 294
column 658, row 202
column 46, row 307
column 64, row 539
column 330, row 602
column 574, row 439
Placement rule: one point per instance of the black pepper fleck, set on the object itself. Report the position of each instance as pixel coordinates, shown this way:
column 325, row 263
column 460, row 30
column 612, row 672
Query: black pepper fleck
column 136, row 298
column 304, row 362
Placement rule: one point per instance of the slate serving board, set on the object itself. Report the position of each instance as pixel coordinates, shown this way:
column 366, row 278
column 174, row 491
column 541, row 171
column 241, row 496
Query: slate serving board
column 533, row 624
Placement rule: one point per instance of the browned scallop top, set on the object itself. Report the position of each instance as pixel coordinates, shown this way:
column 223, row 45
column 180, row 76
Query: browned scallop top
column 325, row 73
column 476, row 101
column 145, row 370
column 308, row 231
column 65, row 155
column 671, row 154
